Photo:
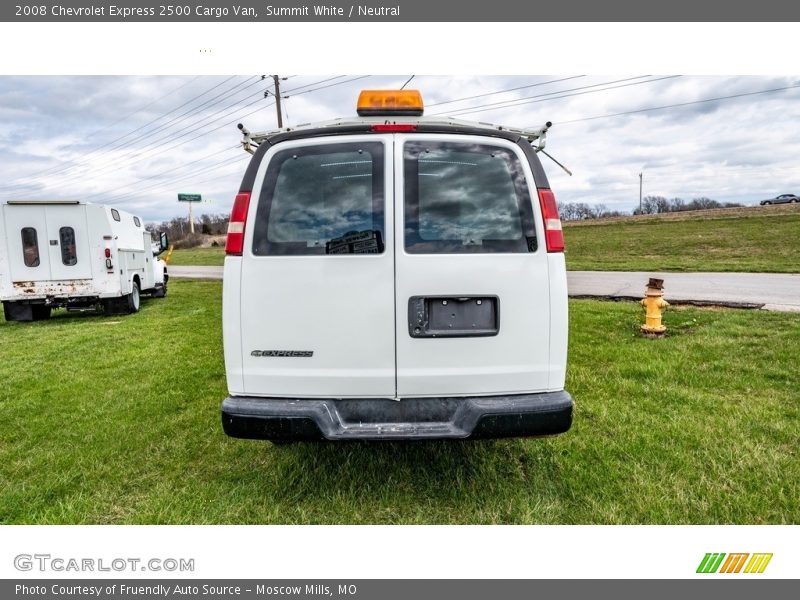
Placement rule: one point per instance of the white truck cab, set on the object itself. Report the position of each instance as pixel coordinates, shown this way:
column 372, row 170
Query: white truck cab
column 75, row 255
column 395, row 277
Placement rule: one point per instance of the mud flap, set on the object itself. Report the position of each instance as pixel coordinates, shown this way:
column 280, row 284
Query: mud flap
column 18, row 311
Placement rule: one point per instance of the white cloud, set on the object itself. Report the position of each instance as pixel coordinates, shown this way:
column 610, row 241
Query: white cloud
column 57, row 134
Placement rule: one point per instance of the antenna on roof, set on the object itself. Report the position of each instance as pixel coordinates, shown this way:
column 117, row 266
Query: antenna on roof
column 540, row 136
column 566, row 170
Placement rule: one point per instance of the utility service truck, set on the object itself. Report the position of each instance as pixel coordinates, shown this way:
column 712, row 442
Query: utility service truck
column 75, row 255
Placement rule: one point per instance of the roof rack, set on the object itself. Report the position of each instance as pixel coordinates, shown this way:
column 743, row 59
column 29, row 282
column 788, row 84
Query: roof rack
column 532, row 135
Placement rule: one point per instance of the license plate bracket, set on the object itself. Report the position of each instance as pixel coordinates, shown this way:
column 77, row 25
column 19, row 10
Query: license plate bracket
column 453, row 316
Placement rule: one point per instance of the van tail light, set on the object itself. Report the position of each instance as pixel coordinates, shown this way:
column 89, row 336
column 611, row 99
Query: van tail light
column 553, row 234
column 234, row 244
column 108, row 252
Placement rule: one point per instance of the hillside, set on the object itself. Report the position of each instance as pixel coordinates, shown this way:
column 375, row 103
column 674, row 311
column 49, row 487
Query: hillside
column 765, row 239
column 754, row 239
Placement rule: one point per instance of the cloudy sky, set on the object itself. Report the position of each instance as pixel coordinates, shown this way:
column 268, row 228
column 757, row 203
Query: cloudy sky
column 135, row 142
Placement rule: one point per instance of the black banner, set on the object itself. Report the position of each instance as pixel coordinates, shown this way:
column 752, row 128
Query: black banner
column 539, row 11
column 398, row 589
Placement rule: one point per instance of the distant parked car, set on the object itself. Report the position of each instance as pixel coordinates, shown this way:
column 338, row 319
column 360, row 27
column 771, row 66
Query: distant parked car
column 782, row 199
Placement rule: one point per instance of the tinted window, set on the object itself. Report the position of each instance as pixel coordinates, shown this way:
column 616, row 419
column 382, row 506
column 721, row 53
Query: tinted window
column 322, row 200
column 462, row 198
column 67, row 237
column 115, row 214
column 30, row 247
column 137, row 222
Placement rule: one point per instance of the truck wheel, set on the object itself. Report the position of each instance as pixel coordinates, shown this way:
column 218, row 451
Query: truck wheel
column 134, row 299
column 41, row 312
column 160, row 291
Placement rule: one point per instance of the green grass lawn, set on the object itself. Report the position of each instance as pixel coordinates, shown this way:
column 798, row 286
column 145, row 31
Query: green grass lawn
column 747, row 244
column 743, row 243
column 214, row 256
column 116, row 420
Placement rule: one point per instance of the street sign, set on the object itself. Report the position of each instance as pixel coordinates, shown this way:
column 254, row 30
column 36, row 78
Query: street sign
column 189, row 198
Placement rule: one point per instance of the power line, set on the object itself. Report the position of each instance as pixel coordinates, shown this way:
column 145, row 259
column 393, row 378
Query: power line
column 514, row 89
column 227, row 123
column 202, row 168
column 679, row 104
column 183, row 116
column 240, row 117
column 146, row 152
column 148, row 105
column 579, row 91
column 160, row 185
column 307, row 91
column 313, row 84
column 322, row 87
column 205, row 133
column 223, row 93
column 83, row 158
column 251, row 103
column 191, row 126
column 161, row 173
column 216, row 177
column 524, row 98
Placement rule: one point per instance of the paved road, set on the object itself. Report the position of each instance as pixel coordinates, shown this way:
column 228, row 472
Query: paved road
column 758, row 290
column 195, row 272
column 772, row 291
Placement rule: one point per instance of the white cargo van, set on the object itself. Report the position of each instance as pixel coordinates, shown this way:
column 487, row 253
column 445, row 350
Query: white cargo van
column 75, row 255
column 395, row 277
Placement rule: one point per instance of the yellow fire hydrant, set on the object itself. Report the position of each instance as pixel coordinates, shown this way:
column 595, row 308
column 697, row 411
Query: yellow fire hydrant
column 654, row 305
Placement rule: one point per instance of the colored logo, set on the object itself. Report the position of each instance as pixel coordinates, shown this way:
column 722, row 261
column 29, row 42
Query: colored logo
column 719, row 562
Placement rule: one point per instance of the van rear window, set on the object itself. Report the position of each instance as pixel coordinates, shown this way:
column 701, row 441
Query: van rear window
column 326, row 199
column 30, row 247
column 67, row 238
column 462, row 197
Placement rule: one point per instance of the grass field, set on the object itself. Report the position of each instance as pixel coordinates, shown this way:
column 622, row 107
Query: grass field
column 745, row 243
column 763, row 239
column 116, row 420
column 214, row 256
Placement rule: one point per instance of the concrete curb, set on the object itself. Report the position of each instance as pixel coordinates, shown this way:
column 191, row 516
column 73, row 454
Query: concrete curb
column 677, row 301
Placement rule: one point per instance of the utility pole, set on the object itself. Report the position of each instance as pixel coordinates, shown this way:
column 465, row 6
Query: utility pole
column 277, row 81
column 640, row 193
column 191, row 219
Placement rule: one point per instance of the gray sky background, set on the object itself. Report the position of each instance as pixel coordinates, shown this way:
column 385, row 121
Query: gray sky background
column 135, row 142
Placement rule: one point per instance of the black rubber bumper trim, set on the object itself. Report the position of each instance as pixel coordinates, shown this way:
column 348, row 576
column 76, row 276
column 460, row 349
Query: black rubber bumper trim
column 290, row 419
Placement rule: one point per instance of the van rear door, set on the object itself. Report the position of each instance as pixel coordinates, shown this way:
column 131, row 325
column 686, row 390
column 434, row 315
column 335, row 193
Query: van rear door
column 68, row 242
column 473, row 310
column 27, row 242
column 317, row 272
